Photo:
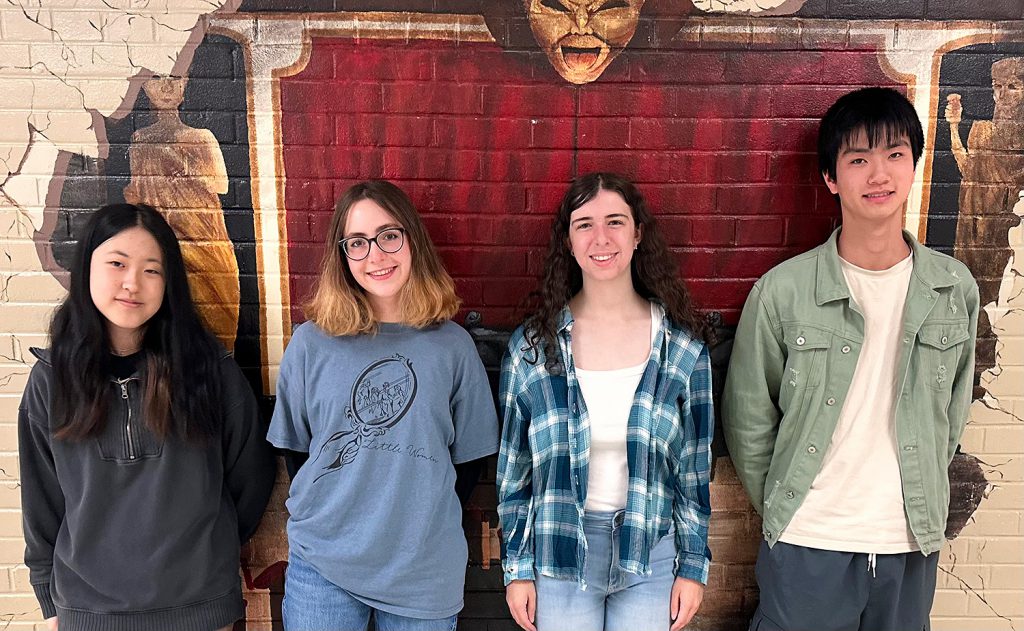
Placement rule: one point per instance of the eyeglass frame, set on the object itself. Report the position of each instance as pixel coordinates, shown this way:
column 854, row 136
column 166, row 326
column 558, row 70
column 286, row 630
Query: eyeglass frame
column 370, row 241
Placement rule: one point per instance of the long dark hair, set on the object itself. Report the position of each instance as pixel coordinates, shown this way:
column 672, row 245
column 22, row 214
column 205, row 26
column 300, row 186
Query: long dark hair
column 182, row 378
column 653, row 268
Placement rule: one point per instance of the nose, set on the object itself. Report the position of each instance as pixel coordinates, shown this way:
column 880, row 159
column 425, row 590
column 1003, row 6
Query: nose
column 879, row 172
column 601, row 234
column 375, row 253
column 581, row 21
column 130, row 280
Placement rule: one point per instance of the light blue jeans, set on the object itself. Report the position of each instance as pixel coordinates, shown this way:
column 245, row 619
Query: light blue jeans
column 614, row 600
column 313, row 603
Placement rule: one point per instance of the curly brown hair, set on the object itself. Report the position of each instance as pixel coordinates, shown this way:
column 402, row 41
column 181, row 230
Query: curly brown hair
column 654, row 270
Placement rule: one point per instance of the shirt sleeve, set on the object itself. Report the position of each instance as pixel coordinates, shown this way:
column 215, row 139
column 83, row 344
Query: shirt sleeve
column 750, row 411
column 249, row 466
column 514, row 474
column 42, row 499
column 473, row 413
column 289, row 426
column 691, row 508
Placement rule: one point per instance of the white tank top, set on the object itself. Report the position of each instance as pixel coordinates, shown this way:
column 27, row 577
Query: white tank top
column 609, row 396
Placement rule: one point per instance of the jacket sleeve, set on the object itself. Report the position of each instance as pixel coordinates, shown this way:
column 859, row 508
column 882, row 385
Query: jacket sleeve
column 963, row 383
column 691, row 509
column 249, row 465
column 750, row 411
column 514, row 475
column 42, row 499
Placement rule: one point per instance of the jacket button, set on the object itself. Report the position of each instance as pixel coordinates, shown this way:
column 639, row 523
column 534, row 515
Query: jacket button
column 800, row 341
column 908, row 448
column 812, row 449
column 790, row 495
column 830, row 401
column 768, row 533
column 846, row 349
column 944, row 338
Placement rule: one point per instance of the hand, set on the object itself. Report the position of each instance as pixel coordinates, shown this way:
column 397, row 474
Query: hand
column 686, row 597
column 521, row 597
column 954, row 110
column 51, row 624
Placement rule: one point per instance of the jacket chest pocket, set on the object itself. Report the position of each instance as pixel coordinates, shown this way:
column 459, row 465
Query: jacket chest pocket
column 939, row 349
column 807, row 348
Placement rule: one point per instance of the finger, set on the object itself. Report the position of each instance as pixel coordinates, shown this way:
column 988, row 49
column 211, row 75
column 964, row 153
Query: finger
column 531, row 611
column 674, row 602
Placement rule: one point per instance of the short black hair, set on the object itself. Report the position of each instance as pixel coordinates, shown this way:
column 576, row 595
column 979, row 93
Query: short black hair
column 883, row 114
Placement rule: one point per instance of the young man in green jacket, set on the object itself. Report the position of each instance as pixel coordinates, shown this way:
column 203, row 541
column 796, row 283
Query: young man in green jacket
column 848, row 390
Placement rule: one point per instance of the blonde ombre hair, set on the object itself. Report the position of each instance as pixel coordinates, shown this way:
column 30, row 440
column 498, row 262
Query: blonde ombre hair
column 339, row 306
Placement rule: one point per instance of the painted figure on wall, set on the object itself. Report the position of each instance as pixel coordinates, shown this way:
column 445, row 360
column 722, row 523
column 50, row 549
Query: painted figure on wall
column 992, row 171
column 180, row 170
column 581, row 37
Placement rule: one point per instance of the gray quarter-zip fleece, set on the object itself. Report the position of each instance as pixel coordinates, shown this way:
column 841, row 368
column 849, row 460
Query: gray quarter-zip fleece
column 125, row 531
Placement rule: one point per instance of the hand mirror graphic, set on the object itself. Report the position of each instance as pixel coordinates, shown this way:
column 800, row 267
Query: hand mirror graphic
column 380, row 398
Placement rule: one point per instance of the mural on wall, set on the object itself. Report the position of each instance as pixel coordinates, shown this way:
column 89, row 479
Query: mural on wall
column 245, row 129
column 180, row 170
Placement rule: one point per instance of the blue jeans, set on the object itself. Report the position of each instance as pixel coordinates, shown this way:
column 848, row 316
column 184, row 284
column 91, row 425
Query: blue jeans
column 312, row 603
column 614, row 600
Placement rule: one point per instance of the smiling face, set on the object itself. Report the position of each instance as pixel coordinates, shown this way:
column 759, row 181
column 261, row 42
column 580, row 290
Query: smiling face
column 381, row 275
column 126, row 283
column 603, row 236
column 581, row 37
column 873, row 183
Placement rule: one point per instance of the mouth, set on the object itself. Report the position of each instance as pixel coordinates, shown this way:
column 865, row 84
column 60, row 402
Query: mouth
column 603, row 259
column 581, row 57
column 131, row 304
column 382, row 274
column 880, row 196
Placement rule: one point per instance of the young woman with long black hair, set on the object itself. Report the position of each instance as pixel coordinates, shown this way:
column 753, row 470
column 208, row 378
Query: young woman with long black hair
column 143, row 464
column 603, row 475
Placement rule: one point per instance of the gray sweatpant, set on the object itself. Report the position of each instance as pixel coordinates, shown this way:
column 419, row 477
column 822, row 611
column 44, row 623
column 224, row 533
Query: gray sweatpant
column 805, row 589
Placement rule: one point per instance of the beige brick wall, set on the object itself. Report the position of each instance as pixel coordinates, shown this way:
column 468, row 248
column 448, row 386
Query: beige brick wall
column 65, row 65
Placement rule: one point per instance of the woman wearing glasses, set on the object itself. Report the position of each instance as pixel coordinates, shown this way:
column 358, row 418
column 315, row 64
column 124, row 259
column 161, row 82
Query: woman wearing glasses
column 386, row 395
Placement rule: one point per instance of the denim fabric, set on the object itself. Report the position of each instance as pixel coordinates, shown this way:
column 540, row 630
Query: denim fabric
column 312, row 603
column 796, row 349
column 614, row 599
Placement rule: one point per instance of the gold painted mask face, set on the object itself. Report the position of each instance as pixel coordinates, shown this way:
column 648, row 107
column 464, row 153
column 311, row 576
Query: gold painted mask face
column 581, row 37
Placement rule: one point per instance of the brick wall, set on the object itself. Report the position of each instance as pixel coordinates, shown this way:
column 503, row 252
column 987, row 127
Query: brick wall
column 713, row 114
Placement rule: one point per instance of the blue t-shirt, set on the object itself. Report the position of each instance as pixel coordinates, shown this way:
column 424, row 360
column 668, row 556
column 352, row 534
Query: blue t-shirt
column 384, row 418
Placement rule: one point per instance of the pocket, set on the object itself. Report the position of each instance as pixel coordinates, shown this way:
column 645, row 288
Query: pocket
column 761, row 622
column 807, row 347
column 939, row 349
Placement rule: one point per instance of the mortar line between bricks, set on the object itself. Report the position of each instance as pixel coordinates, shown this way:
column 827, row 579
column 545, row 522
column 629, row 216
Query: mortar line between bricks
column 575, row 130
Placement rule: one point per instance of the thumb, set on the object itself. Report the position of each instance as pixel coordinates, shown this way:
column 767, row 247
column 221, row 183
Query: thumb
column 531, row 606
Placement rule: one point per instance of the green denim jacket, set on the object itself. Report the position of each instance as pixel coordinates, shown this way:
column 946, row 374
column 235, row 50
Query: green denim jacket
column 792, row 362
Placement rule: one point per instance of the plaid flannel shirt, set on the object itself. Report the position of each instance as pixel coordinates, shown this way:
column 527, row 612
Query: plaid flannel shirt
column 545, row 452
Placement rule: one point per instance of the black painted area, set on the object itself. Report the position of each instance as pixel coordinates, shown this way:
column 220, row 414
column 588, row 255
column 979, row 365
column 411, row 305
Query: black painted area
column 836, row 9
column 968, row 72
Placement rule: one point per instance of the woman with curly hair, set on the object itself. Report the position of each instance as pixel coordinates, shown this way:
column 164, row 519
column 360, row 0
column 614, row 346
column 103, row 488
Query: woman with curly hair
column 605, row 453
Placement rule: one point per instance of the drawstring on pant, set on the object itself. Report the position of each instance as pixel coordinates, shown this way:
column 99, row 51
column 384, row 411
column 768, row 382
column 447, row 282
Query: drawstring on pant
column 872, row 563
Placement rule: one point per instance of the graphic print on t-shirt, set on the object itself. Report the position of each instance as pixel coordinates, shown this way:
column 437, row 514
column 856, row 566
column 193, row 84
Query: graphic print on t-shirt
column 381, row 395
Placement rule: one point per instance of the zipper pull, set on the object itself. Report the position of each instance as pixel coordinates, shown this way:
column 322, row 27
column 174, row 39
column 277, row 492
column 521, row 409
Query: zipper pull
column 124, row 389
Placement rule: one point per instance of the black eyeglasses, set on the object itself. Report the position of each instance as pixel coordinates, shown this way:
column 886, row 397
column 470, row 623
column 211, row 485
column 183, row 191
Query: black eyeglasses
column 389, row 240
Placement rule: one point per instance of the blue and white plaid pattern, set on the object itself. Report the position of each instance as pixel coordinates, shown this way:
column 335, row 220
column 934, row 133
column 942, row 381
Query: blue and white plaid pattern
column 545, row 454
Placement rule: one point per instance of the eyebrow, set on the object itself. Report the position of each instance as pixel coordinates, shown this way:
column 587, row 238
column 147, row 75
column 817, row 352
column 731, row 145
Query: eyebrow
column 149, row 260
column 863, row 149
column 381, row 229
column 589, row 218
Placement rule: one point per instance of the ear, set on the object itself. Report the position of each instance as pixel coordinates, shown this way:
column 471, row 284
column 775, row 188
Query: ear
column 830, row 183
column 639, row 233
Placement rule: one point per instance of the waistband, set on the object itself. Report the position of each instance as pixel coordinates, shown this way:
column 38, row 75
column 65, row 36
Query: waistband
column 604, row 519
